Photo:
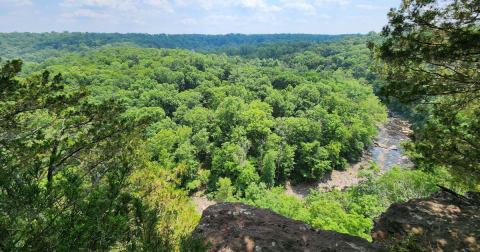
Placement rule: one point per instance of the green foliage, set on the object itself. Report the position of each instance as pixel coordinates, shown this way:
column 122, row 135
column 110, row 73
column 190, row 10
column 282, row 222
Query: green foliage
column 374, row 167
column 313, row 161
column 236, row 125
column 330, row 215
column 268, row 169
column 194, row 245
column 284, row 80
column 67, row 172
column 38, row 47
column 275, row 199
column 204, row 176
column 405, row 185
column 351, row 211
column 320, row 210
column 225, row 190
column 231, row 125
column 115, row 137
column 430, row 58
column 126, row 127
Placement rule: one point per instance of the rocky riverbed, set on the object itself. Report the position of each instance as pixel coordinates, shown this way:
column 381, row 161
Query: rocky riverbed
column 386, row 152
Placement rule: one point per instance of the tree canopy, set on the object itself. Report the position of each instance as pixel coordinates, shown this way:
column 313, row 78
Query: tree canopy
column 431, row 57
column 127, row 132
column 138, row 129
column 36, row 47
column 205, row 119
column 70, row 173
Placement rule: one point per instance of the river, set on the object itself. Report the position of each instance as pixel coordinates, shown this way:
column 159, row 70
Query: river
column 385, row 151
column 390, row 135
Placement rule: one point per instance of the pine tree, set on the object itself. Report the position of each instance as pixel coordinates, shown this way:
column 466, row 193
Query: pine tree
column 430, row 57
column 64, row 168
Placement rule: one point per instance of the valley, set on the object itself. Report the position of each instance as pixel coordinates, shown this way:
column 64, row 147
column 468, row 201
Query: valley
column 120, row 141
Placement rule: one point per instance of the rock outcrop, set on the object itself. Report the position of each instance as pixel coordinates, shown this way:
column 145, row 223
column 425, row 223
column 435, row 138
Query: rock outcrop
column 239, row 227
column 443, row 222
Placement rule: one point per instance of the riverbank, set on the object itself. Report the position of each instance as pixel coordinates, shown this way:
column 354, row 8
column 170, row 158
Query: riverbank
column 386, row 152
column 333, row 180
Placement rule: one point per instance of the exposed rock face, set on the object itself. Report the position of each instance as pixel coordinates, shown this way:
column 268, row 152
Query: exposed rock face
column 442, row 222
column 239, row 227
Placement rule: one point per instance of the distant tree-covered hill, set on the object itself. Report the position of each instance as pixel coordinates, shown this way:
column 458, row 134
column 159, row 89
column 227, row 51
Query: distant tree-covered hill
column 36, row 47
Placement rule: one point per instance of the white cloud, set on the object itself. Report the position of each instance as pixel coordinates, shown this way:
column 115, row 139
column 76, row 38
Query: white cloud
column 329, row 3
column 123, row 7
column 271, row 8
column 267, row 18
column 369, row 7
column 139, row 22
column 209, row 4
column 96, row 3
column 67, row 15
column 88, row 13
column 163, row 4
column 251, row 4
column 127, row 6
column 84, row 13
column 17, row 2
column 188, row 21
column 222, row 17
column 199, row 16
column 257, row 4
column 301, row 6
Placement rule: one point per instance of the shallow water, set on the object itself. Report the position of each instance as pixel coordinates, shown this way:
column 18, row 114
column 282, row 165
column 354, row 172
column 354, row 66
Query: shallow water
column 391, row 135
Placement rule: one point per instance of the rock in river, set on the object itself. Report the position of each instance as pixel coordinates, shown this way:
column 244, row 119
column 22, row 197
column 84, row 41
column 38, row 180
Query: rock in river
column 381, row 145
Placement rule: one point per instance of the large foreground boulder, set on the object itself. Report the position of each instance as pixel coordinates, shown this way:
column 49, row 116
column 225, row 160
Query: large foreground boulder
column 443, row 222
column 239, row 227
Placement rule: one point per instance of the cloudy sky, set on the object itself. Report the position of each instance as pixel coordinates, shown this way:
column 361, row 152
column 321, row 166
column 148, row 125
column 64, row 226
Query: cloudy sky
column 195, row 16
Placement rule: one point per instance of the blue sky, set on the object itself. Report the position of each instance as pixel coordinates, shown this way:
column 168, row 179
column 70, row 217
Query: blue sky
column 195, row 16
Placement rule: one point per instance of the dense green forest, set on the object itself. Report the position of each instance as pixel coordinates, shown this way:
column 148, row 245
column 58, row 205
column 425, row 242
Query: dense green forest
column 76, row 175
column 233, row 123
column 131, row 125
column 250, row 120
column 36, row 47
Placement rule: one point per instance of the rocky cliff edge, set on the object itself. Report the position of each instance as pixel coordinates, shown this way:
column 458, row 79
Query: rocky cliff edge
column 239, row 227
column 443, row 222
